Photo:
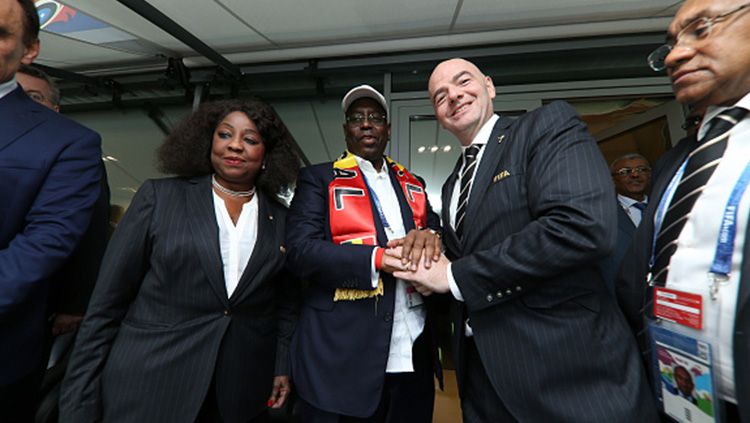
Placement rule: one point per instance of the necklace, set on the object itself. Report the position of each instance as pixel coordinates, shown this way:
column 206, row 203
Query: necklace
column 227, row 191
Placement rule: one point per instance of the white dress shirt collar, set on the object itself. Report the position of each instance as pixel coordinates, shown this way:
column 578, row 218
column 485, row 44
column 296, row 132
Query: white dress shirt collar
column 484, row 133
column 7, row 87
column 714, row 111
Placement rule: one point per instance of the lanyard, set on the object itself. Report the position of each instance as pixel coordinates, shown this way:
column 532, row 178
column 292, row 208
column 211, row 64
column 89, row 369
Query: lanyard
column 722, row 262
column 375, row 199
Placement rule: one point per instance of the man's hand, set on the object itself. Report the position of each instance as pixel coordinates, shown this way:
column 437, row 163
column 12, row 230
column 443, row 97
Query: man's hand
column 417, row 244
column 427, row 280
column 64, row 323
column 281, row 389
column 392, row 261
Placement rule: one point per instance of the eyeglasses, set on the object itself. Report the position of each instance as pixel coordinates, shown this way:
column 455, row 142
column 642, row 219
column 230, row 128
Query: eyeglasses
column 358, row 118
column 626, row 171
column 693, row 32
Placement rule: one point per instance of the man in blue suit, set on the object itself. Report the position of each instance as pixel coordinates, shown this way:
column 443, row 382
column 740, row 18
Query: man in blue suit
column 631, row 174
column 49, row 180
column 363, row 350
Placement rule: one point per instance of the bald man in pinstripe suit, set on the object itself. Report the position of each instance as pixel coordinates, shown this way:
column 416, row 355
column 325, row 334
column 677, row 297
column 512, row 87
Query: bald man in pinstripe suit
column 528, row 212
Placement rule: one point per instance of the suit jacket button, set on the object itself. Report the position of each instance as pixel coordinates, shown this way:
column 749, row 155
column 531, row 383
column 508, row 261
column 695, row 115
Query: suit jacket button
column 388, row 317
column 499, row 294
column 489, row 298
column 227, row 312
column 518, row 288
column 508, row 291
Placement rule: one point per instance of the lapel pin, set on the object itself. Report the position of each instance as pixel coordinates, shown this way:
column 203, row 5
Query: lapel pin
column 282, row 249
column 270, row 217
column 500, row 138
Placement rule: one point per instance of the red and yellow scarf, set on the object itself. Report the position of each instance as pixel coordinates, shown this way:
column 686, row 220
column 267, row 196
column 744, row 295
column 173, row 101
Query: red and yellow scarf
column 350, row 210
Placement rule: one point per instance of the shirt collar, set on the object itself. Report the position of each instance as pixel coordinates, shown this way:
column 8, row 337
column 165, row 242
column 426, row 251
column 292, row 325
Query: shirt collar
column 484, row 133
column 628, row 202
column 714, row 111
column 366, row 167
column 7, row 87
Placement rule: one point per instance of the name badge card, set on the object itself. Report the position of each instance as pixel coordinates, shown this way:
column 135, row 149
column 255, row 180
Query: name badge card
column 679, row 307
column 684, row 376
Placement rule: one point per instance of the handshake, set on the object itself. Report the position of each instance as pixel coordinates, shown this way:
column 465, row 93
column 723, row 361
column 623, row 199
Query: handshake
column 418, row 259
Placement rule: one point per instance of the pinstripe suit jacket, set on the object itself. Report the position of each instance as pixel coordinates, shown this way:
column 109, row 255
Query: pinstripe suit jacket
column 554, row 346
column 632, row 289
column 160, row 325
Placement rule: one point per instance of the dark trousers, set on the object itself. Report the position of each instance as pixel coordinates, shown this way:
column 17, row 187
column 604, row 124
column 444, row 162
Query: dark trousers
column 406, row 397
column 210, row 413
column 18, row 400
column 479, row 401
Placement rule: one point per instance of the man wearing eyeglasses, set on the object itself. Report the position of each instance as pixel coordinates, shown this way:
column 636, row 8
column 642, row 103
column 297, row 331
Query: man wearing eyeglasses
column 363, row 350
column 693, row 239
column 631, row 175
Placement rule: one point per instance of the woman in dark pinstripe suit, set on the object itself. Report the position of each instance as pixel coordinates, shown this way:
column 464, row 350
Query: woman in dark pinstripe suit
column 192, row 313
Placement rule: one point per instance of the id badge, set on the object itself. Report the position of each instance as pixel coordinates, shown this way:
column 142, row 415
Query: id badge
column 413, row 298
column 683, row 372
column 679, row 307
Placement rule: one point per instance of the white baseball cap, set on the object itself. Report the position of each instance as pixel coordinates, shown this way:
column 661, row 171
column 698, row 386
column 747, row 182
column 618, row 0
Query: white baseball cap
column 363, row 91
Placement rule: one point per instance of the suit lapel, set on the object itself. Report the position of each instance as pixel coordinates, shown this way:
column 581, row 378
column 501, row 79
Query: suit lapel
column 21, row 118
column 264, row 244
column 624, row 221
column 495, row 146
column 206, row 234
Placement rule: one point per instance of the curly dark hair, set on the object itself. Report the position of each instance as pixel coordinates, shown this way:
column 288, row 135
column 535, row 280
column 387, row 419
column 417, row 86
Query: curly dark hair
column 186, row 151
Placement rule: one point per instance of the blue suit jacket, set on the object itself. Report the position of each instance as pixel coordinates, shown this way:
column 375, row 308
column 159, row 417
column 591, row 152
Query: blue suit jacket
column 340, row 349
column 50, row 168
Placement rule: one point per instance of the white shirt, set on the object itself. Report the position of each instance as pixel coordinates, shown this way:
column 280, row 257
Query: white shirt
column 633, row 212
column 408, row 322
column 696, row 246
column 236, row 242
column 480, row 139
column 7, row 87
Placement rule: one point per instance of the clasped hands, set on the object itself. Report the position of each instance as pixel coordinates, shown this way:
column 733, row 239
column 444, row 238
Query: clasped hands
column 418, row 259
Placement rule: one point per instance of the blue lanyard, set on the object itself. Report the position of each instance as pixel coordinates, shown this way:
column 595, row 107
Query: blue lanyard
column 375, row 199
column 722, row 263
column 662, row 210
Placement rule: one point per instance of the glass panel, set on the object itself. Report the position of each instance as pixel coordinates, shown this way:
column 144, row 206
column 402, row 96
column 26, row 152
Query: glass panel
column 433, row 152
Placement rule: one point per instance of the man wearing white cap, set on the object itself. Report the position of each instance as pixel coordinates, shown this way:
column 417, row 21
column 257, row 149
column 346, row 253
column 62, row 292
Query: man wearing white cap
column 363, row 350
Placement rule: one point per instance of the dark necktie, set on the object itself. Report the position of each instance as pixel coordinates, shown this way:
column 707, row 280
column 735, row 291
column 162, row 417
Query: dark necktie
column 467, row 174
column 700, row 166
column 640, row 206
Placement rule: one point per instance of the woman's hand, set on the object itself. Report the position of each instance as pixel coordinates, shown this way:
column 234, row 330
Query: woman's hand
column 281, row 388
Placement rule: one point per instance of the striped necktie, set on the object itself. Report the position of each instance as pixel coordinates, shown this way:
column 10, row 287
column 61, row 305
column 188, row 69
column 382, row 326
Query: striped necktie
column 467, row 174
column 701, row 164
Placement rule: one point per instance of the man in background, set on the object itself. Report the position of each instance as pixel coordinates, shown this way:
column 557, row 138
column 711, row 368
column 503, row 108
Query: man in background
column 631, row 174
